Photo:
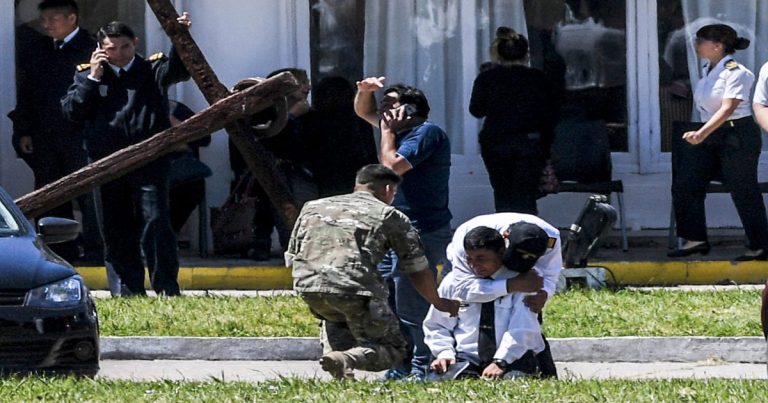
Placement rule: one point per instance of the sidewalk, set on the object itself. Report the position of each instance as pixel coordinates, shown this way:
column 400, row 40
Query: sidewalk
column 644, row 264
column 257, row 359
column 257, row 371
column 572, row 349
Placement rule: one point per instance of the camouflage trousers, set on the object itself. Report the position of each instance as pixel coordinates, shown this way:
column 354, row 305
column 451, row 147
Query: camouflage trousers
column 364, row 328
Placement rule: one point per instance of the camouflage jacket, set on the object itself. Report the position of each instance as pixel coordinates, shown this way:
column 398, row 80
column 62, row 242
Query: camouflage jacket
column 338, row 241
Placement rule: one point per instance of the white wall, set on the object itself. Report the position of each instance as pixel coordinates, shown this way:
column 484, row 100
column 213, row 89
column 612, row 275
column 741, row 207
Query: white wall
column 15, row 176
column 241, row 39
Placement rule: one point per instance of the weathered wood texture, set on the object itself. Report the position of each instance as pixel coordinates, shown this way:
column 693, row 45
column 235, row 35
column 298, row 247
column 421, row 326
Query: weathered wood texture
column 215, row 117
column 259, row 160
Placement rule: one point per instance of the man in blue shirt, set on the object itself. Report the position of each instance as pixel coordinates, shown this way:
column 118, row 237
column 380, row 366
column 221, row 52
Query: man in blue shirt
column 420, row 152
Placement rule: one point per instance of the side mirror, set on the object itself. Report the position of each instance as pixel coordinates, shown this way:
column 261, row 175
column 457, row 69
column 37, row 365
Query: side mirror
column 57, row 230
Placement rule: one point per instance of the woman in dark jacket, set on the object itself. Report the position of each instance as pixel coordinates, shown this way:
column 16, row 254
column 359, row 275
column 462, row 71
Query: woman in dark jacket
column 520, row 106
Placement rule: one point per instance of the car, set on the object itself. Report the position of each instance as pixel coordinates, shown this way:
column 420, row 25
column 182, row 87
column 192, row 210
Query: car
column 48, row 319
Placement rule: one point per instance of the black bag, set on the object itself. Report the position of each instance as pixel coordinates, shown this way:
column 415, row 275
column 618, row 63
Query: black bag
column 232, row 223
column 596, row 218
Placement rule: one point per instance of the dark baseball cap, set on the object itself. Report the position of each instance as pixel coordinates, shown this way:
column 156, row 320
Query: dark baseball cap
column 527, row 242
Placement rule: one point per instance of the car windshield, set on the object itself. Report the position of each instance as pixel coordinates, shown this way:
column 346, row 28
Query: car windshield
column 8, row 223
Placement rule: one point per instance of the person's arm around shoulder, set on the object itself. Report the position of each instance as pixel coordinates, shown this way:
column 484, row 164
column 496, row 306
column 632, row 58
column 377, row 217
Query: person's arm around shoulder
column 468, row 287
column 365, row 102
column 549, row 265
column 760, row 100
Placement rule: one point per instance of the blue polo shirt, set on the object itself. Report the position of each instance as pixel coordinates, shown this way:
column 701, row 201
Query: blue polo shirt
column 423, row 194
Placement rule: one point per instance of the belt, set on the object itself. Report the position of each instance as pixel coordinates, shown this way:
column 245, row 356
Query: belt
column 739, row 122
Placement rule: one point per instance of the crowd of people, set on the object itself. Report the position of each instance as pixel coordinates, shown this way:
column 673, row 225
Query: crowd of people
column 367, row 262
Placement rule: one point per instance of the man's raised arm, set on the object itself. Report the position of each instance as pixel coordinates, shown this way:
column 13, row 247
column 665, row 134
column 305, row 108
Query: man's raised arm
column 365, row 102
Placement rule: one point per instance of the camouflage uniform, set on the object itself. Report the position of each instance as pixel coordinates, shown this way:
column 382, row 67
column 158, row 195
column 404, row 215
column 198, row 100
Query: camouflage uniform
column 334, row 249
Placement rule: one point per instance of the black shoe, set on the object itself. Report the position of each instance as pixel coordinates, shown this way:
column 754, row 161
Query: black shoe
column 702, row 248
column 763, row 255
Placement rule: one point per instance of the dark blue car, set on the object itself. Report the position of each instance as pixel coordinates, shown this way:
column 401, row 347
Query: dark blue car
column 48, row 320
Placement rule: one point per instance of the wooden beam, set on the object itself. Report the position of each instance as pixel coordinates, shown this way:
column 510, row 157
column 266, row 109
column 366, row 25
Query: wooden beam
column 259, row 160
column 238, row 106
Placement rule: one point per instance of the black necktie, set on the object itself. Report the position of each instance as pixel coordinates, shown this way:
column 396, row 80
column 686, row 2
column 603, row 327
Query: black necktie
column 57, row 44
column 486, row 337
column 121, row 73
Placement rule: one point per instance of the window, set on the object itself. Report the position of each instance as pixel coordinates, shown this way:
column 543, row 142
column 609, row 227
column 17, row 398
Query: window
column 336, row 33
column 584, row 42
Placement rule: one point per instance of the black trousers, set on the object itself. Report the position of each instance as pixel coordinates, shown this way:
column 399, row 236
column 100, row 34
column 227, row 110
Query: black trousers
column 184, row 199
column 734, row 153
column 544, row 359
column 135, row 218
column 514, row 168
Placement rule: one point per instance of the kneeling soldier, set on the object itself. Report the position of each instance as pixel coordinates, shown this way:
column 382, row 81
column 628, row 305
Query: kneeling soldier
column 333, row 251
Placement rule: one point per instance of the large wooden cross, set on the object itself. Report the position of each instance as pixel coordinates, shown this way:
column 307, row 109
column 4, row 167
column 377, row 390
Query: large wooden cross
column 226, row 111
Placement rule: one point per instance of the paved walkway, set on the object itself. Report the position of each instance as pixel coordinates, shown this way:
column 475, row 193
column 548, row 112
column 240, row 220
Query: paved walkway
column 255, row 371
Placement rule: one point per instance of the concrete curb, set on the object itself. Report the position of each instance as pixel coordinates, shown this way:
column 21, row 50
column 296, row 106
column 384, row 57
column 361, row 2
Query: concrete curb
column 598, row 349
column 664, row 349
column 645, row 273
column 211, row 348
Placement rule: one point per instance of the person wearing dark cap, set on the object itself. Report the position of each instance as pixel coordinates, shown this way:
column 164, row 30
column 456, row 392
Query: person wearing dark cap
column 498, row 338
column 532, row 244
column 728, row 142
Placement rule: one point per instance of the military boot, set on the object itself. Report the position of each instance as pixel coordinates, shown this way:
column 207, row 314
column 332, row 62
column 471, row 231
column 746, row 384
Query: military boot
column 339, row 364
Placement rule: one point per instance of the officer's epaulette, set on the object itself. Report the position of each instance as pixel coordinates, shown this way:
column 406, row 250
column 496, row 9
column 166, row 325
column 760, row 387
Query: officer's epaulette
column 551, row 242
column 156, row 57
column 83, row 67
column 731, row 65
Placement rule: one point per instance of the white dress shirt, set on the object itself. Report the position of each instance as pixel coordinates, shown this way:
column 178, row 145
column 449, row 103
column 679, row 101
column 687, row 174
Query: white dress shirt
column 761, row 88
column 472, row 289
column 722, row 83
column 517, row 329
column 68, row 37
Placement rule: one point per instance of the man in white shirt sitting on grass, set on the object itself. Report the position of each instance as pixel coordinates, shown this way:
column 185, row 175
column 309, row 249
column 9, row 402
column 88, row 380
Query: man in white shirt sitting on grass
column 498, row 338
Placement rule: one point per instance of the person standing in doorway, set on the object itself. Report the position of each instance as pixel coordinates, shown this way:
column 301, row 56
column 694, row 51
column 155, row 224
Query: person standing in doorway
column 51, row 145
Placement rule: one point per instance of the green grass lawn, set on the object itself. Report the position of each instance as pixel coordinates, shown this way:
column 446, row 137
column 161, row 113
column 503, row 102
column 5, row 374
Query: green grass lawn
column 572, row 314
column 295, row 390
